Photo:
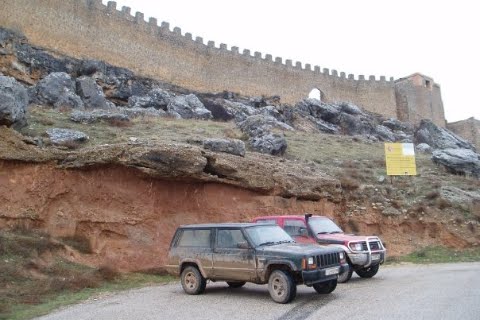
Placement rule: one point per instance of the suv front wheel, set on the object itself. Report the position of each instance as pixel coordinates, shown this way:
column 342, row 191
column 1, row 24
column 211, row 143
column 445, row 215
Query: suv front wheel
column 368, row 272
column 325, row 287
column 281, row 286
column 192, row 280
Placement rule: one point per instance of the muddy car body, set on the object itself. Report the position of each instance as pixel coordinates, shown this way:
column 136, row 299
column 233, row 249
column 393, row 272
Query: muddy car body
column 365, row 254
column 246, row 252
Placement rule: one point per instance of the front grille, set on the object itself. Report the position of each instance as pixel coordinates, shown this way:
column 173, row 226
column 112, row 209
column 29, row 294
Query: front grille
column 374, row 245
column 328, row 259
column 364, row 246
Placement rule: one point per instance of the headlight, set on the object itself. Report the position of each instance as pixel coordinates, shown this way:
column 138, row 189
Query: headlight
column 341, row 255
column 356, row 246
column 309, row 263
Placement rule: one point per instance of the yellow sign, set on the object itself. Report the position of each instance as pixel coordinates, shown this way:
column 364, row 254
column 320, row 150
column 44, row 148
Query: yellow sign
column 400, row 159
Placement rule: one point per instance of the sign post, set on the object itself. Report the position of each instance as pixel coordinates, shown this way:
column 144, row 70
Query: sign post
column 400, row 159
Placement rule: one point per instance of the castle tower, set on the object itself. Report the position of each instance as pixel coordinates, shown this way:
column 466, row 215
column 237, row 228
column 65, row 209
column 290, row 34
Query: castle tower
column 418, row 97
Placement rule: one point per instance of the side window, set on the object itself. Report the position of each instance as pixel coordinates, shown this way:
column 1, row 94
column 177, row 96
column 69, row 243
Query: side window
column 267, row 221
column 229, row 238
column 294, row 227
column 195, row 238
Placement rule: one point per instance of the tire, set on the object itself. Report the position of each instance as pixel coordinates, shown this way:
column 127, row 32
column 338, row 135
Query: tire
column 192, row 281
column 345, row 276
column 281, row 287
column 368, row 272
column 236, row 284
column 325, row 287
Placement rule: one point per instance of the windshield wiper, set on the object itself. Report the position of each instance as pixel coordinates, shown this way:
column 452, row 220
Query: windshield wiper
column 335, row 232
column 323, row 232
column 268, row 243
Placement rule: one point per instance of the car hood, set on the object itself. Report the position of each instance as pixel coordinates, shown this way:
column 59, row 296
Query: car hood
column 340, row 238
column 296, row 249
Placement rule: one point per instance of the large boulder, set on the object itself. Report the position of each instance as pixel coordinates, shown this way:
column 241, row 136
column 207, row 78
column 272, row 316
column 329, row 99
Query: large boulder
column 318, row 110
column 97, row 115
column 226, row 110
column 66, row 136
column 69, row 100
column 254, row 125
column 13, row 103
column 458, row 161
column 234, row 146
column 439, row 138
column 269, row 143
column 143, row 112
column 92, row 94
column 385, row 134
column 350, row 108
column 155, row 98
column 188, row 107
column 55, row 87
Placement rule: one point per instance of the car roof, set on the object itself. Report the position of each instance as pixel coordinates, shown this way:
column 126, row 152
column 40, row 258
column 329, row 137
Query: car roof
column 221, row 225
column 288, row 217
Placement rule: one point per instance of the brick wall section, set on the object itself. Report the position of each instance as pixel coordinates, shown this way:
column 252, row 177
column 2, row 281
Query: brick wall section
column 468, row 129
column 89, row 29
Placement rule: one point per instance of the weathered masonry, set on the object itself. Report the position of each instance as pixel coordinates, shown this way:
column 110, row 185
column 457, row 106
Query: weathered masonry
column 89, row 29
column 468, row 129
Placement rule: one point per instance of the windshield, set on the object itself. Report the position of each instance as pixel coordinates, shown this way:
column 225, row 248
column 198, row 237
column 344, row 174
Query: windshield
column 267, row 235
column 323, row 226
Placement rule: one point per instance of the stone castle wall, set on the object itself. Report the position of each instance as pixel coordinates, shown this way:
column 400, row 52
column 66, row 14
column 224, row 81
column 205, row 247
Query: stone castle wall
column 89, row 29
column 468, row 129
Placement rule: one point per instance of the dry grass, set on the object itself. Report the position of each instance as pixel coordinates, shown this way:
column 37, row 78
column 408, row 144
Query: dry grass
column 35, row 278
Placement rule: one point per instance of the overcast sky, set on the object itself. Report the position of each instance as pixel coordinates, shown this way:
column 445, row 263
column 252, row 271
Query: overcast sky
column 370, row 37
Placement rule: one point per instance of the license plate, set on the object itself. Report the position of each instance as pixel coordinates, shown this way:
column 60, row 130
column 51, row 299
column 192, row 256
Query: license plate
column 329, row 272
column 376, row 256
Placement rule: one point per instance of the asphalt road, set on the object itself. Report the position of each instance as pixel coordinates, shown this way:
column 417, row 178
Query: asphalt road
column 444, row 291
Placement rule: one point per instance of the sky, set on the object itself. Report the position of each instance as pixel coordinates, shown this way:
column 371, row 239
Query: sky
column 371, row 37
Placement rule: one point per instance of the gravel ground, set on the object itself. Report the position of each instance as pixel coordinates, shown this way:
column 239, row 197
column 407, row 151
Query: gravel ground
column 442, row 291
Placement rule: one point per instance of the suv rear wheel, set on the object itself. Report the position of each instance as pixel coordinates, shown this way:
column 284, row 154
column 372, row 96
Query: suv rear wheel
column 281, row 286
column 368, row 272
column 192, row 280
column 325, row 287
column 236, row 284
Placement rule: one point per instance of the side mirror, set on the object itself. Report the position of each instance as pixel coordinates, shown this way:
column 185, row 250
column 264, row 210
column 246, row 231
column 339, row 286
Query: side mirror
column 243, row 245
column 303, row 232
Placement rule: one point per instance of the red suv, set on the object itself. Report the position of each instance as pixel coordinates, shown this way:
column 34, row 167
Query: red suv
column 365, row 254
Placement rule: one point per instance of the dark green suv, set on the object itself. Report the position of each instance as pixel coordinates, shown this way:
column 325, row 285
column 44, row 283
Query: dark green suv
column 247, row 252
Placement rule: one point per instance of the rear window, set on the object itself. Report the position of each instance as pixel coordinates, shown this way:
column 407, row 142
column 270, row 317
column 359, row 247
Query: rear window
column 194, row 238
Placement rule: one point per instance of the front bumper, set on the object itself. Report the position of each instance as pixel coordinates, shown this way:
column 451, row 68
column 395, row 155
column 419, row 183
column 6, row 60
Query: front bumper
column 366, row 259
column 311, row 277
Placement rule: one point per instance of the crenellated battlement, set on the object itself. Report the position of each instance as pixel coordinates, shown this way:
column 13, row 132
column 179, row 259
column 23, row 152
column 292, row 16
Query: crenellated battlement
column 164, row 28
column 90, row 28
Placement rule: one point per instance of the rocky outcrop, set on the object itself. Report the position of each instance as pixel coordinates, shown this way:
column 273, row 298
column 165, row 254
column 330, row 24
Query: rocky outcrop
column 155, row 98
column 345, row 118
column 92, row 94
column 13, row 102
column 262, row 138
column 439, row 138
column 188, row 107
column 60, row 136
column 234, row 146
column 58, row 90
column 97, row 115
column 256, row 172
column 458, row 161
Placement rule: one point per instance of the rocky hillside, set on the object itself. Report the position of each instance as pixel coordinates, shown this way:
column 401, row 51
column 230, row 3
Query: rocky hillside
column 93, row 151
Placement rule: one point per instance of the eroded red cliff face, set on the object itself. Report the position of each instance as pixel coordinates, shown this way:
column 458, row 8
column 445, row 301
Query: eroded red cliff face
column 128, row 217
